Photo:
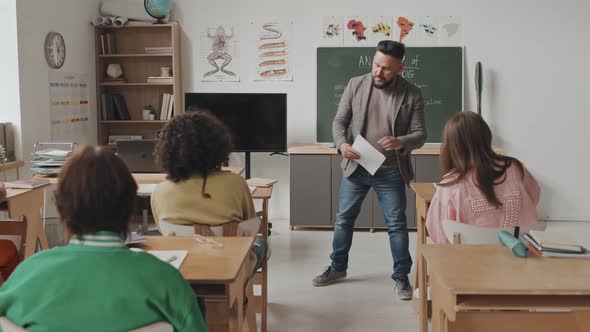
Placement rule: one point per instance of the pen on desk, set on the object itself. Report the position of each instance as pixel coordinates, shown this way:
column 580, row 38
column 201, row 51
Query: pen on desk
column 171, row 259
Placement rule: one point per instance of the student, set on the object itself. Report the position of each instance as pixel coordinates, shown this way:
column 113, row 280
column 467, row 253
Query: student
column 96, row 283
column 191, row 149
column 479, row 187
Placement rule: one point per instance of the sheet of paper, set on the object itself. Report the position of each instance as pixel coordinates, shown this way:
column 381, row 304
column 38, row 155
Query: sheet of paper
column 135, row 238
column 145, row 189
column 252, row 189
column 371, row 159
column 166, row 256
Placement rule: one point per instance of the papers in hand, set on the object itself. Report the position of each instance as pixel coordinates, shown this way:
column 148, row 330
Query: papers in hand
column 370, row 158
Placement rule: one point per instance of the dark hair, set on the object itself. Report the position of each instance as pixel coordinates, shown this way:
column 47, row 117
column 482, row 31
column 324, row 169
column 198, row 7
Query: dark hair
column 194, row 143
column 467, row 145
column 96, row 192
column 392, row 48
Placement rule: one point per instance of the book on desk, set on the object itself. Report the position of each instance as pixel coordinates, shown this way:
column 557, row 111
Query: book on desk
column 554, row 244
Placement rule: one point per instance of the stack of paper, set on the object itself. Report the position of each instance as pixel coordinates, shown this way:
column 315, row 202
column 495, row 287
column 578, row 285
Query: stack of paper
column 48, row 162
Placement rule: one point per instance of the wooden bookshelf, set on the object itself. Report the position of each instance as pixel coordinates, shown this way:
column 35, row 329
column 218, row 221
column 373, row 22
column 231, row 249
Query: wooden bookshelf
column 130, row 43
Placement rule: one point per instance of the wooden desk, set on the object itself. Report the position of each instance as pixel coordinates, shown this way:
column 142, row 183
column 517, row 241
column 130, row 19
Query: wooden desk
column 485, row 287
column 218, row 274
column 424, row 193
column 28, row 204
column 12, row 165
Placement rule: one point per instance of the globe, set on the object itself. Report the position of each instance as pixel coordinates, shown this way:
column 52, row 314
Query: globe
column 158, row 9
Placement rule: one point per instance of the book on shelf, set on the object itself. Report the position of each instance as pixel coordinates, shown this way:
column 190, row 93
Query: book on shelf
column 557, row 241
column 166, row 107
column 27, row 183
column 108, row 43
column 114, row 107
column 259, row 182
column 114, row 138
column 160, row 80
column 158, row 50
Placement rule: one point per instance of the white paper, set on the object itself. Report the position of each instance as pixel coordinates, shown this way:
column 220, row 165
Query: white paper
column 145, row 189
column 218, row 59
column 166, row 255
column 371, row 159
column 252, row 189
column 69, row 107
column 272, row 38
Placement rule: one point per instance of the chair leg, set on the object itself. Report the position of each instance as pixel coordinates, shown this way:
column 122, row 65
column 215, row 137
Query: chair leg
column 264, row 295
column 250, row 309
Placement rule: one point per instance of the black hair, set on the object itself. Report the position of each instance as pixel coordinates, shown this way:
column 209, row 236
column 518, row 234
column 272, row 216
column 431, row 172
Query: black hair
column 392, row 48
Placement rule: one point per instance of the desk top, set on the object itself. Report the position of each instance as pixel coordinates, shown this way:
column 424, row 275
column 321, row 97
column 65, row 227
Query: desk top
column 205, row 264
column 424, row 190
column 155, row 178
column 11, row 165
column 493, row 270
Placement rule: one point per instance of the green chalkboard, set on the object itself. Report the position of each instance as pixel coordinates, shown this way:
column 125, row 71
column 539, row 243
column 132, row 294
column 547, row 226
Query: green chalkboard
column 438, row 71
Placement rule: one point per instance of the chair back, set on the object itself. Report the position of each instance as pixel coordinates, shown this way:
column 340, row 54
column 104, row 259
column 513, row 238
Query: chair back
column 248, row 227
column 6, row 325
column 156, row 327
column 459, row 233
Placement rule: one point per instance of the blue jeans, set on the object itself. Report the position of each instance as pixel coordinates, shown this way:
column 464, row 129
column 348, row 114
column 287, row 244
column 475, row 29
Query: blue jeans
column 390, row 189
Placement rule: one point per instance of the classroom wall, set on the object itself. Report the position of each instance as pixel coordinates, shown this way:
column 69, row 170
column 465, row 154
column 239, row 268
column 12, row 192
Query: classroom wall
column 35, row 19
column 9, row 83
column 535, row 70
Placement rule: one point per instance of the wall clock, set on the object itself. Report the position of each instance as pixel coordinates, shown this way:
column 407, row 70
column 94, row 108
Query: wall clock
column 55, row 50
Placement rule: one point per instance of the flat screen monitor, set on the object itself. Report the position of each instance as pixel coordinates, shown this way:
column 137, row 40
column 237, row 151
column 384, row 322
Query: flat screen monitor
column 257, row 121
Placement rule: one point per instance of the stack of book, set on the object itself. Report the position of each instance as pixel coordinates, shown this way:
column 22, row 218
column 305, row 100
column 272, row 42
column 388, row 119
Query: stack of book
column 107, row 43
column 165, row 107
column 114, row 107
column 158, row 50
column 554, row 244
column 48, row 162
column 160, row 79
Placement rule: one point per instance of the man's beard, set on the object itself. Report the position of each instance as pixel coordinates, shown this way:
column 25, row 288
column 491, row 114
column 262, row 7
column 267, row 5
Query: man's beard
column 384, row 85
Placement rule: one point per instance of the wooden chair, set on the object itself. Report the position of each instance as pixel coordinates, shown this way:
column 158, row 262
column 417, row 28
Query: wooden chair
column 250, row 227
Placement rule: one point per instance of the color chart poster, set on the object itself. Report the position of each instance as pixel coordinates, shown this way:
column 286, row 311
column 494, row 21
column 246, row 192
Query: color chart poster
column 68, row 107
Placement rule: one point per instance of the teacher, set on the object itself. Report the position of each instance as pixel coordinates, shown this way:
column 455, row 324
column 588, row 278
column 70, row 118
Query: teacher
column 388, row 112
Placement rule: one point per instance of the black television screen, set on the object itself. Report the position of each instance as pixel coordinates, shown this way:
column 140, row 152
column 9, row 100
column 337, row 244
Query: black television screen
column 258, row 121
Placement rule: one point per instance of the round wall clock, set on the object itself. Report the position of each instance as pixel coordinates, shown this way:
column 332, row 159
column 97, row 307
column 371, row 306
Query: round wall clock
column 55, row 50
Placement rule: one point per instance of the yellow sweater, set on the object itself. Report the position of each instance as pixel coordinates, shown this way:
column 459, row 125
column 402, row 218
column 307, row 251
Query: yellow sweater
column 182, row 203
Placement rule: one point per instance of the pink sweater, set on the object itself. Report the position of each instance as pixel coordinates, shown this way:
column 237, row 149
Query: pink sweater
column 464, row 202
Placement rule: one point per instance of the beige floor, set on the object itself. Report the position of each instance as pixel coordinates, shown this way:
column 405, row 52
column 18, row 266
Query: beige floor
column 365, row 301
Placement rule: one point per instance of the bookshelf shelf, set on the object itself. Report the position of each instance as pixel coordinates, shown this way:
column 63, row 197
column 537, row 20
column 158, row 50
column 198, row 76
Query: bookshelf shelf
column 127, row 122
column 135, row 84
column 139, row 55
column 128, row 45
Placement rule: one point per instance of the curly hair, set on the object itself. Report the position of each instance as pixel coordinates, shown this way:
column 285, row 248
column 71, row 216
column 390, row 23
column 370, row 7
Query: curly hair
column 194, row 143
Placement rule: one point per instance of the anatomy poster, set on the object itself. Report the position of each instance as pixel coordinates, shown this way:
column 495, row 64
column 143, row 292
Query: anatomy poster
column 380, row 28
column 68, row 107
column 218, row 53
column 427, row 31
column 356, row 31
column 332, row 31
column 451, row 33
column 405, row 30
column 272, row 50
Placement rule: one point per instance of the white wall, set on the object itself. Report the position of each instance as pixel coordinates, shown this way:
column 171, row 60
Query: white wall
column 36, row 18
column 534, row 55
column 9, row 83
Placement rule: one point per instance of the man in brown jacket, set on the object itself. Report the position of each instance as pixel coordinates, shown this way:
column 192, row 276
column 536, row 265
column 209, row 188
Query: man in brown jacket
column 388, row 112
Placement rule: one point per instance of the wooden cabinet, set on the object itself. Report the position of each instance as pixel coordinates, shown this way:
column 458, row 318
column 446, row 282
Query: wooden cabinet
column 315, row 182
column 128, row 49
